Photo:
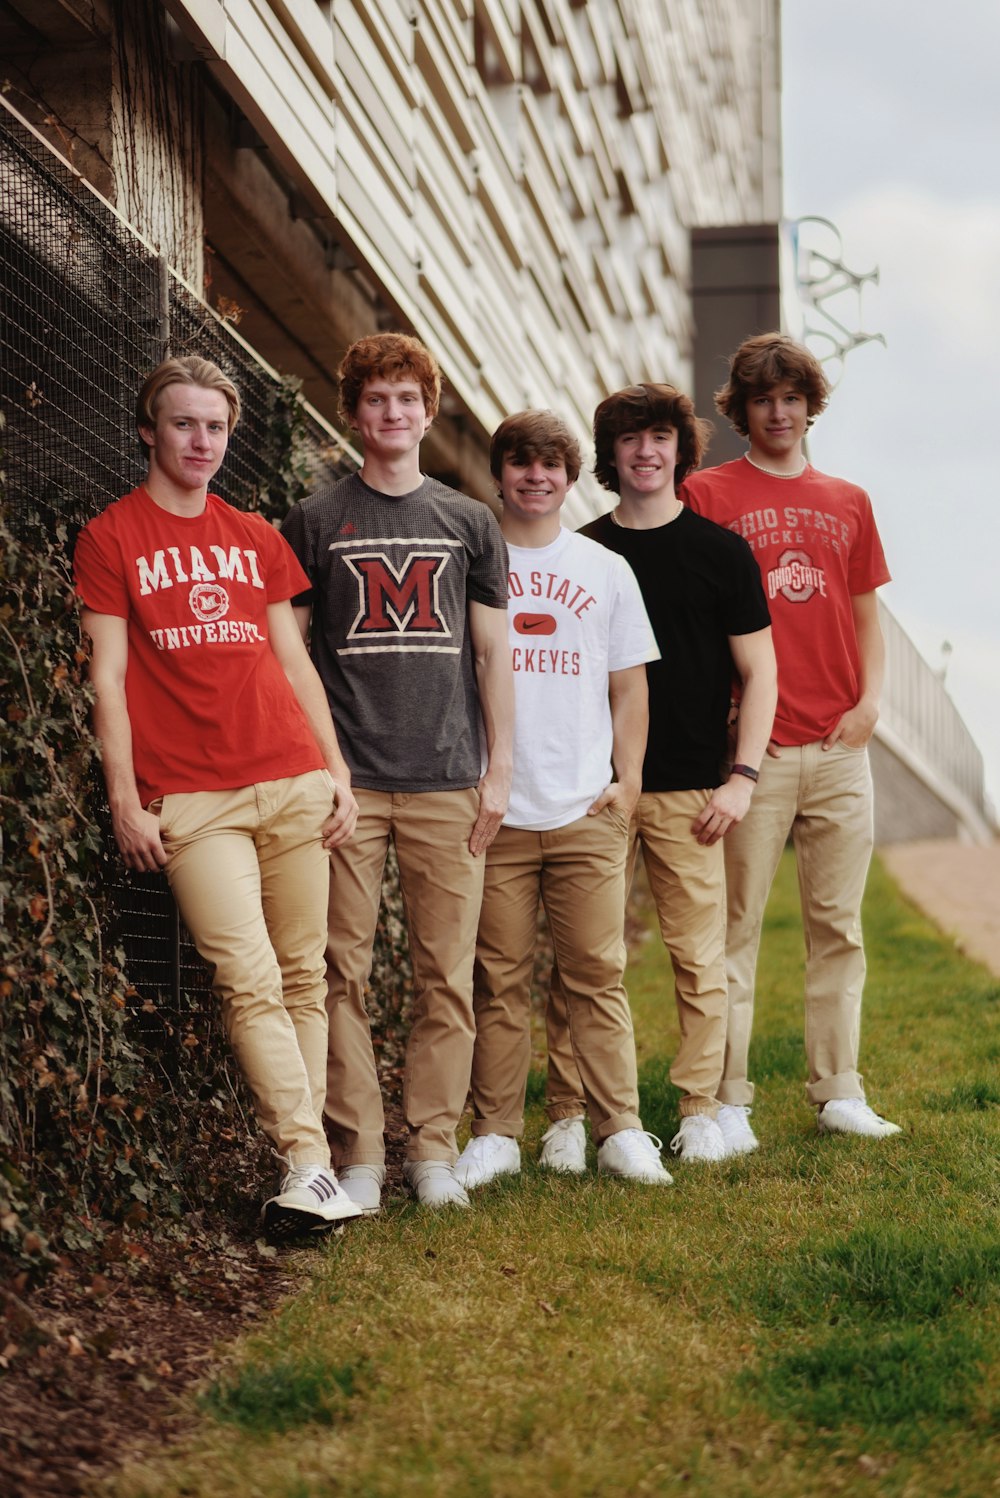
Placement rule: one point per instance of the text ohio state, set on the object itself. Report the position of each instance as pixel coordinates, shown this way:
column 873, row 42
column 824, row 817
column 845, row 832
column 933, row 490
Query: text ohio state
column 788, row 527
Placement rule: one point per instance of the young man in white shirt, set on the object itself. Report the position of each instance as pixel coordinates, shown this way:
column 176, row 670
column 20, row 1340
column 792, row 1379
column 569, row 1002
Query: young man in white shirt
column 580, row 639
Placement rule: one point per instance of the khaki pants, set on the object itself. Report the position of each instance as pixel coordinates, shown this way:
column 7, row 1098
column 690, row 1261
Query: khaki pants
column 249, row 873
column 442, row 886
column 824, row 799
column 578, row 871
column 687, row 882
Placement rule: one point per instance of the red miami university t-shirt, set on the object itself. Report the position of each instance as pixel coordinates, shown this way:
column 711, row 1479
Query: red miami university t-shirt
column 209, row 704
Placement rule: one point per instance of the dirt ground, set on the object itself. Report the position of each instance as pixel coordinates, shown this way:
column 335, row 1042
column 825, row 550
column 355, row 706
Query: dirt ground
column 93, row 1360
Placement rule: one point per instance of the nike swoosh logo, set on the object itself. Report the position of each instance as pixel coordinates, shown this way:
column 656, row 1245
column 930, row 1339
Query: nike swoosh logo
column 534, row 624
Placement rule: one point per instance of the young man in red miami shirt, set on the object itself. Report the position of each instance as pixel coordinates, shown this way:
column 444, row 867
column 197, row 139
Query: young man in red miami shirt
column 221, row 760
column 821, row 560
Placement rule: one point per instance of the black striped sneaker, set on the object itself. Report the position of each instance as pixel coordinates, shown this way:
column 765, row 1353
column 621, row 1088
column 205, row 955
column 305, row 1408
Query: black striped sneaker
column 309, row 1200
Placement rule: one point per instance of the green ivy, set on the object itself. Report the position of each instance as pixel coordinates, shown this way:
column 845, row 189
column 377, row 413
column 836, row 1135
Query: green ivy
column 68, row 1136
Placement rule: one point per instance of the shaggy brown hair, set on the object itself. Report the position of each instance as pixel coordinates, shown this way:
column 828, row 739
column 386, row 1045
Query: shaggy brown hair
column 639, row 408
column 388, row 356
column 764, row 361
column 187, row 371
column 535, row 434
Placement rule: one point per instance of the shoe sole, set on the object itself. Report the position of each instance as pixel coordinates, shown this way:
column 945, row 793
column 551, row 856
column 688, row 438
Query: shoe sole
column 562, row 1170
column 494, row 1175
column 284, row 1223
column 741, row 1149
column 453, row 1201
column 666, row 1179
column 825, row 1128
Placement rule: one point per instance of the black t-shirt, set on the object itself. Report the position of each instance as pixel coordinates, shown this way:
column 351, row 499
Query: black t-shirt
column 700, row 584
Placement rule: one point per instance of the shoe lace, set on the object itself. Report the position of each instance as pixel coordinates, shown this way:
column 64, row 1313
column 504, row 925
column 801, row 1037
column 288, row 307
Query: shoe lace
column 483, row 1146
column 694, row 1124
column 302, row 1175
column 559, row 1137
column 639, row 1144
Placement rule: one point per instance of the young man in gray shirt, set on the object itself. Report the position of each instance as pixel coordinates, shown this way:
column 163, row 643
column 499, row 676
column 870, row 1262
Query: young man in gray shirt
column 409, row 634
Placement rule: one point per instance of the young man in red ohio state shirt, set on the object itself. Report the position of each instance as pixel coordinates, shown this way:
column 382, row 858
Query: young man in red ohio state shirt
column 821, row 560
column 220, row 757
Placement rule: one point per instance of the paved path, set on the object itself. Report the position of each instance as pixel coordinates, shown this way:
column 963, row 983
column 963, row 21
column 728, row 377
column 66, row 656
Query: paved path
column 958, row 886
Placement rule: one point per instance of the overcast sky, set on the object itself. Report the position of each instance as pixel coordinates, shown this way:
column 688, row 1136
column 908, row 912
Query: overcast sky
column 892, row 130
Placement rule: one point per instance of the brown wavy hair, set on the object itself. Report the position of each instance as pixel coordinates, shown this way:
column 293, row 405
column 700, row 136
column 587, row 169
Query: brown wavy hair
column 535, row 434
column 187, row 371
column 388, row 356
column 638, row 408
column 764, row 361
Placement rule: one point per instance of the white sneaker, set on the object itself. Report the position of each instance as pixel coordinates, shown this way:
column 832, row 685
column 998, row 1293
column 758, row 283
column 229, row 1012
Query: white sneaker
column 363, row 1184
column 737, row 1135
column 699, row 1138
column 434, row 1184
column 852, row 1115
column 309, row 1200
column 564, row 1147
column 485, row 1157
column 633, row 1155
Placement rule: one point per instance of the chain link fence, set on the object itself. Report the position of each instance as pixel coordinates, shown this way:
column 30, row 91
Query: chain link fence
column 87, row 310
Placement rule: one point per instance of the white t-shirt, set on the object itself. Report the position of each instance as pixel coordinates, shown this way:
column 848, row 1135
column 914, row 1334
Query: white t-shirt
column 575, row 613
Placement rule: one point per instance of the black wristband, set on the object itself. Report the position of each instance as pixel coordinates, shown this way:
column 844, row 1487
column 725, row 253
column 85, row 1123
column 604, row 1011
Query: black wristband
column 747, row 770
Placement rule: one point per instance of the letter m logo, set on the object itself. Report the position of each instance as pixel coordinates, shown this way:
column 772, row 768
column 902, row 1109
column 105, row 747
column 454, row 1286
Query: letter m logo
column 398, row 601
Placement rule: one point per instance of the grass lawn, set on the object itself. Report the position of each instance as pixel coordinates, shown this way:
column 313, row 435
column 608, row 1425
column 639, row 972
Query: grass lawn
column 821, row 1317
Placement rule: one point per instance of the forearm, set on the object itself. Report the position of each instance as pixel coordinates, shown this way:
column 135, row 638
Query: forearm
column 756, row 717
column 113, row 730
column 871, row 657
column 495, row 681
column 630, row 729
column 311, row 697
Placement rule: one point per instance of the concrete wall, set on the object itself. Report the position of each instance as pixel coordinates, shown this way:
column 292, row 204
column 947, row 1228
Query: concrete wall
column 514, row 182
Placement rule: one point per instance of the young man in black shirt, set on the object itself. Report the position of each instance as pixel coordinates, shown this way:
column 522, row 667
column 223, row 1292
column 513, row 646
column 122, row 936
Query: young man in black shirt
column 703, row 594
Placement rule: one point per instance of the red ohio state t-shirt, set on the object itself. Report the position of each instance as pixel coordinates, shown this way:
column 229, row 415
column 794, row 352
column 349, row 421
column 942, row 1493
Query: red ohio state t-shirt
column 817, row 547
column 209, row 704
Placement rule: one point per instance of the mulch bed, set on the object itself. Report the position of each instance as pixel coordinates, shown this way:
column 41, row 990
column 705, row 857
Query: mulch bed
column 93, row 1359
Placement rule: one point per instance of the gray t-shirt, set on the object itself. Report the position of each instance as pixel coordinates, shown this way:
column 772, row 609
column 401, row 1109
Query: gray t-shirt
column 392, row 577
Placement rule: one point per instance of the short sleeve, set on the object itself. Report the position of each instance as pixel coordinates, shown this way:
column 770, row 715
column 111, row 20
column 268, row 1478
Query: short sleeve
column 284, row 577
column 98, row 572
column 294, row 534
column 632, row 640
column 866, row 567
column 745, row 609
column 487, row 579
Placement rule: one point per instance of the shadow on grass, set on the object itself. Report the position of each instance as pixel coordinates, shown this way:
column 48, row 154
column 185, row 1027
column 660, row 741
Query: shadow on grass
column 887, row 1384
column 778, row 1056
column 286, row 1394
column 884, row 1273
column 975, row 1095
